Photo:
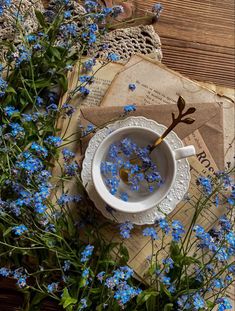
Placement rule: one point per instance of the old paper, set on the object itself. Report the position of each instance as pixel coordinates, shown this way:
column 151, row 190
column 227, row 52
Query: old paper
column 140, row 247
column 157, row 84
column 229, row 116
column 103, row 76
column 69, row 126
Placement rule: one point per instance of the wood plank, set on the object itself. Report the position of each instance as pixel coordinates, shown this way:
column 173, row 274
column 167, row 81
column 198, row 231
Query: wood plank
column 197, row 38
column 199, row 62
column 12, row 300
column 196, row 20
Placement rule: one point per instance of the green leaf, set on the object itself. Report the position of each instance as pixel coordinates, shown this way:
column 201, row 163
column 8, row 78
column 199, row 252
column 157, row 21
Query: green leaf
column 63, row 82
column 37, row 299
column 10, row 99
column 40, row 18
column 145, row 295
column 210, row 304
column 23, row 102
column 124, row 253
column 83, row 282
column 190, row 260
column 95, row 290
column 55, row 52
column 177, row 257
column 168, row 307
column 69, row 301
column 166, row 291
column 174, row 249
column 54, row 26
column 6, row 232
column 151, row 303
column 41, row 83
column 71, row 227
column 190, row 283
column 152, row 269
column 66, row 299
column 10, row 90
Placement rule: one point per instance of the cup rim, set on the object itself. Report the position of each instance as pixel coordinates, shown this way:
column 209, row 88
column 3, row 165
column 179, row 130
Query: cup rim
column 113, row 201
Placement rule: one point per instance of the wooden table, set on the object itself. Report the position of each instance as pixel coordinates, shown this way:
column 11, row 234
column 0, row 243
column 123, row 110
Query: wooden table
column 197, row 40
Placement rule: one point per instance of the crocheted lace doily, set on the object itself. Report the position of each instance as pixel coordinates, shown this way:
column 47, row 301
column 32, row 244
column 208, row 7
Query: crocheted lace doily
column 129, row 41
column 24, row 10
column 124, row 42
column 73, row 6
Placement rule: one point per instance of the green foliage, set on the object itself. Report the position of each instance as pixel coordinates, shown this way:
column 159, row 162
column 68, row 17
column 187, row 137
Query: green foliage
column 168, row 307
column 146, row 295
column 67, row 301
column 41, row 19
column 123, row 251
column 36, row 301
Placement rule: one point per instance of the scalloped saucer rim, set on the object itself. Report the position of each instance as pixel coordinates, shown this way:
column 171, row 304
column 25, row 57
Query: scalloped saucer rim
column 167, row 205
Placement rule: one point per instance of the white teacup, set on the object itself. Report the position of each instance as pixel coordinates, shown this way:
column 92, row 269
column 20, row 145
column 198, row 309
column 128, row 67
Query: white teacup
column 163, row 155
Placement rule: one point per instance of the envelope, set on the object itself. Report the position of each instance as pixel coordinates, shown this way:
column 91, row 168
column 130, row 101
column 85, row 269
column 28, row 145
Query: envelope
column 208, row 120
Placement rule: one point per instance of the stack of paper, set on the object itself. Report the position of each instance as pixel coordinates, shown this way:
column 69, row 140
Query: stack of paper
column 156, row 94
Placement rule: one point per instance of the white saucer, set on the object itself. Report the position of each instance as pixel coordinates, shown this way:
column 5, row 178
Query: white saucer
column 167, row 205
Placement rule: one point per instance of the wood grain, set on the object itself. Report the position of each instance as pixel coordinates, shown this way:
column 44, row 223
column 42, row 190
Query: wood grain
column 197, row 38
column 12, row 300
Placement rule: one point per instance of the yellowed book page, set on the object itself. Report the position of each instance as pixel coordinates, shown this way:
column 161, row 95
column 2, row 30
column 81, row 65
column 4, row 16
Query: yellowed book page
column 102, row 80
column 69, row 126
column 156, row 84
column 140, row 250
column 103, row 77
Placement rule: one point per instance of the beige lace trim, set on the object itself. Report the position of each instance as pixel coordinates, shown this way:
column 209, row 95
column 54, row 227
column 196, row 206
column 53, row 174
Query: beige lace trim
column 129, row 41
column 25, row 12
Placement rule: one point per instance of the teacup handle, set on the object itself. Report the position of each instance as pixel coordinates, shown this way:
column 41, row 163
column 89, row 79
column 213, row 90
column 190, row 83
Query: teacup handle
column 184, row 152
